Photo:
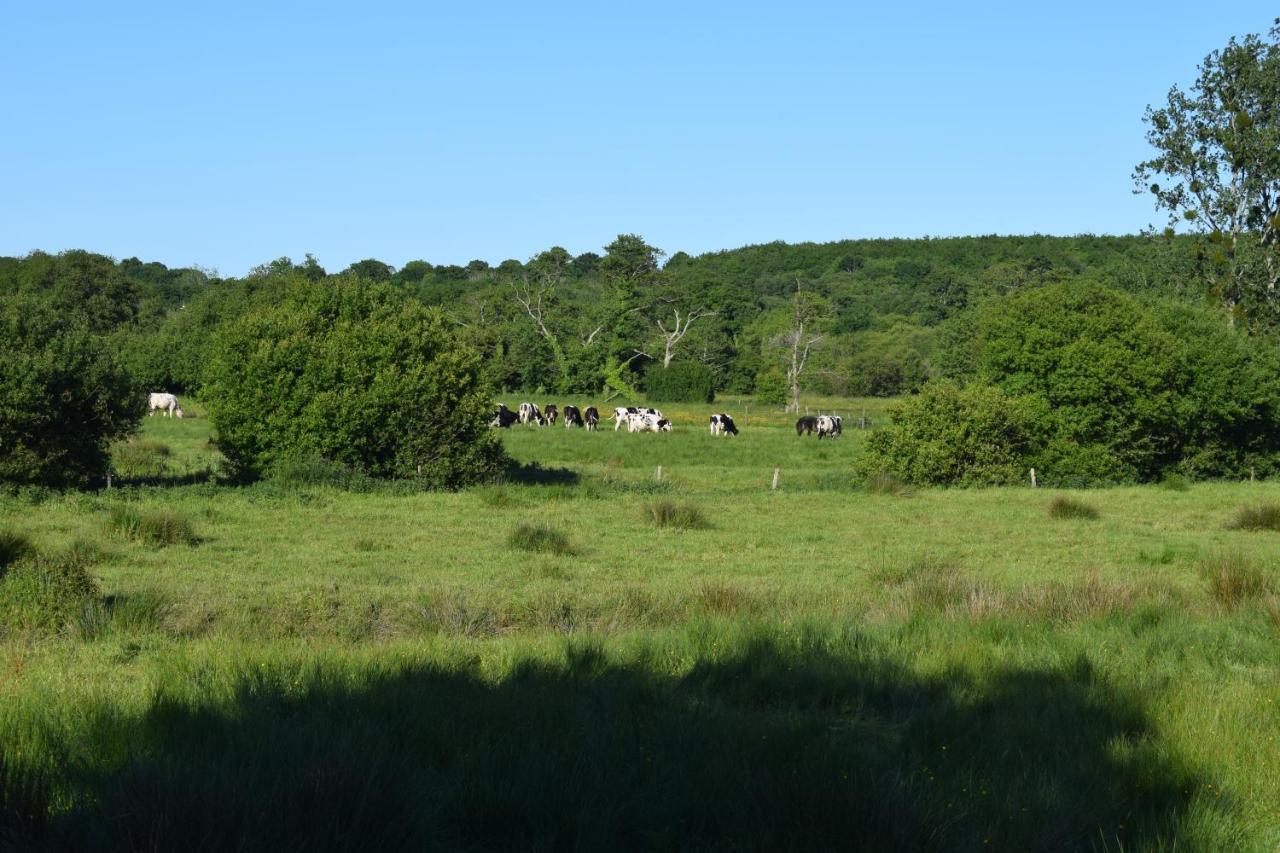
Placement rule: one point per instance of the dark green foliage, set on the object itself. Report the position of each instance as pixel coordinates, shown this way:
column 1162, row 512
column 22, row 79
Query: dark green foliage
column 292, row 472
column 540, row 539
column 150, row 526
column 678, row 516
column 771, row 387
column 1234, row 578
column 1107, row 372
column 64, row 397
column 1260, row 517
column 1064, row 507
column 350, row 372
column 682, row 382
column 1175, row 482
column 45, row 593
column 777, row 740
column 953, row 435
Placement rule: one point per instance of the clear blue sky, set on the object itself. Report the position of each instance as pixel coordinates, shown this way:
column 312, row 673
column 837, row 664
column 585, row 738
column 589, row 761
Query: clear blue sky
column 235, row 133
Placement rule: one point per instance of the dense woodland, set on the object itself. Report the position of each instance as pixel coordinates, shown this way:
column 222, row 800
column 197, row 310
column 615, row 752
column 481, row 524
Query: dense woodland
column 600, row 322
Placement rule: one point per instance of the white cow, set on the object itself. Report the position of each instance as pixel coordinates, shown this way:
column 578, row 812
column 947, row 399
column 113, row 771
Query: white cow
column 166, row 402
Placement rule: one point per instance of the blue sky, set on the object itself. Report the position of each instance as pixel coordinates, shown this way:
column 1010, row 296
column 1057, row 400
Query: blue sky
column 234, row 133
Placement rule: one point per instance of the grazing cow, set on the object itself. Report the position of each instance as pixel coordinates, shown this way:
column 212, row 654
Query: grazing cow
column 503, row 417
column 640, row 422
column 551, row 413
column 572, row 416
column 806, row 425
column 168, row 403
column 723, row 425
column 622, row 414
column 529, row 414
column 828, row 425
column 592, row 418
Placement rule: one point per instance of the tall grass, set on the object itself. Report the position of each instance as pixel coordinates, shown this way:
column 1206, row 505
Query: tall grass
column 1071, row 508
column 13, row 547
column 141, row 458
column 540, row 539
column 1234, row 578
column 677, row 516
column 150, row 526
column 1260, row 517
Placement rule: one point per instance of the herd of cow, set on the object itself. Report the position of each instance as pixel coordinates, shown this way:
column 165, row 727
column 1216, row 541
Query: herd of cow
column 639, row 419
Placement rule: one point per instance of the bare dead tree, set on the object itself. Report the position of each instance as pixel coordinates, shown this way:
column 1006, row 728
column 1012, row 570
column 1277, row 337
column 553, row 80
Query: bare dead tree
column 671, row 337
column 799, row 341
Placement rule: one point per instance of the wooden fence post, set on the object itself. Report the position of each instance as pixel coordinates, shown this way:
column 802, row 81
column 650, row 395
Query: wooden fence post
column 776, row 472
column 1033, row 478
column 658, row 475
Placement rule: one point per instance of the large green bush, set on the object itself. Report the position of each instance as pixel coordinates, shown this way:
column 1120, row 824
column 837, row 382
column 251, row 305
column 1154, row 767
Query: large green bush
column 351, row 372
column 682, row 382
column 64, row 396
column 1108, row 371
column 955, row 435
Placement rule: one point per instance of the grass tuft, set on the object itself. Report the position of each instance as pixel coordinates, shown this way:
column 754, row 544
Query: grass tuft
column 1233, row 578
column 1064, row 507
column 1260, row 517
column 44, row 594
column 678, row 516
column 540, row 539
column 152, row 527
column 13, row 547
column 141, row 458
column 1175, row 482
column 884, row 483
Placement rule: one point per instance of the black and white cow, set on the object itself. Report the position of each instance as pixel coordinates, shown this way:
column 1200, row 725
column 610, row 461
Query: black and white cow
column 503, row 417
column 551, row 413
column 572, row 417
column 722, row 424
column 529, row 414
column 806, row 425
column 642, row 422
column 592, row 417
column 622, row 414
column 828, row 425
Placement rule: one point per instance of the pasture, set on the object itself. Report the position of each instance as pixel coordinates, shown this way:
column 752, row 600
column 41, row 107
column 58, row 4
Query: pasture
column 697, row 662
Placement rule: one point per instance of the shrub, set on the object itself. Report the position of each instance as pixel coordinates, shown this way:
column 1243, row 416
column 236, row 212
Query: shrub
column 140, row 458
column 64, row 396
column 1261, row 517
column 1064, row 507
column 771, row 387
column 540, row 539
column 682, row 382
column 953, row 435
column 1233, row 578
column 356, row 374
column 151, row 527
column 1107, row 371
column 41, row 593
column 680, row 516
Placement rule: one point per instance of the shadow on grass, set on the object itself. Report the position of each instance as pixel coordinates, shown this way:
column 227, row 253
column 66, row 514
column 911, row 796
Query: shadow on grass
column 533, row 474
column 768, row 748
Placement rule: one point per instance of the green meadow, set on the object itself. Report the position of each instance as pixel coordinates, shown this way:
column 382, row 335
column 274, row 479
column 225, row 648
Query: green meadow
column 588, row 655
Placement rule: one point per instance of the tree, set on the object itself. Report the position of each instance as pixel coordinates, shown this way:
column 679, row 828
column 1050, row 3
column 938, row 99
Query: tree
column 807, row 311
column 372, row 269
column 534, row 290
column 673, row 334
column 64, row 396
column 353, row 373
column 1217, row 171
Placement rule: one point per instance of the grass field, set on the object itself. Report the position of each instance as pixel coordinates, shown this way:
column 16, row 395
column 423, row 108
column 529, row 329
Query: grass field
column 537, row 664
